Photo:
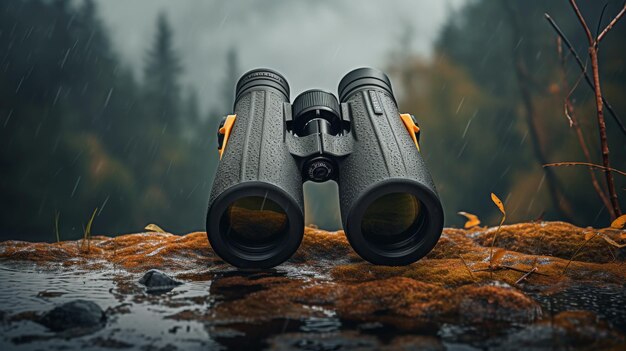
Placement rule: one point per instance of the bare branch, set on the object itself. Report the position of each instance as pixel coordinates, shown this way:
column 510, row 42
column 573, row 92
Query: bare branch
column 611, row 24
column 582, row 22
column 583, row 67
column 591, row 165
column 604, row 146
column 569, row 112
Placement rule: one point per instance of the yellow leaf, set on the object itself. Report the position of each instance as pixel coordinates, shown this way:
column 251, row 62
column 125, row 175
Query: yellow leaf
column 498, row 203
column 472, row 220
column 154, row 228
column 589, row 235
column 612, row 242
column 619, row 222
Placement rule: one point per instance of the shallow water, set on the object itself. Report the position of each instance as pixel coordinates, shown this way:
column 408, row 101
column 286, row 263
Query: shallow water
column 137, row 319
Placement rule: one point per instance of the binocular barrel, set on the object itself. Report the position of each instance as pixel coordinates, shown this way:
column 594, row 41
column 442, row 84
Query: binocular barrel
column 390, row 209
column 255, row 217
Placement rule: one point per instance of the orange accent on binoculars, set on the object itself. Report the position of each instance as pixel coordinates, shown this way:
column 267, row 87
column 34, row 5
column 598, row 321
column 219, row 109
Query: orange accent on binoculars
column 411, row 127
column 225, row 130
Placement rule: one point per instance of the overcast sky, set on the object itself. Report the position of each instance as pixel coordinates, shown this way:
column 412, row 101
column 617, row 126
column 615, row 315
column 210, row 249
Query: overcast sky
column 313, row 43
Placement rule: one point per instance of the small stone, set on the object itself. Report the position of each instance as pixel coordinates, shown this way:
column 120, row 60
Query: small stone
column 157, row 281
column 74, row 314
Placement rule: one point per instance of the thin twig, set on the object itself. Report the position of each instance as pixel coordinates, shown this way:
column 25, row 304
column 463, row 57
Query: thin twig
column 526, row 275
column 601, row 17
column 581, row 19
column 592, row 165
column 604, row 145
column 503, row 267
column 569, row 112
column 583, row 68
column 611, row 24
column 576, row 252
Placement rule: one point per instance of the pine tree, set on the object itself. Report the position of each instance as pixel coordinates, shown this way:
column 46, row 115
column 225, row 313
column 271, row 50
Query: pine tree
column 228, row 85
column 161, row 77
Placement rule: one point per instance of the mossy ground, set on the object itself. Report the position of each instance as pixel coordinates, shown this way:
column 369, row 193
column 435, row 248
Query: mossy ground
column 454, row 282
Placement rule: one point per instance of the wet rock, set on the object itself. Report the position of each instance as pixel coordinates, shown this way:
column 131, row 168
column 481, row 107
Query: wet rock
column 584, row 328
column 496, row 303
column 566, row 330
column 534, row 338
column 157, row 281
column 77, row 314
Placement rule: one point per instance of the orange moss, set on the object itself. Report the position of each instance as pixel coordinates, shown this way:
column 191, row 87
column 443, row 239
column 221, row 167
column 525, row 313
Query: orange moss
column 330, row 253
column 397, row 296
column 326, row 276
column 558, row 239
column 322, row 245
column 479, row 303
column 454, row 242
column 278, row 301
column 134, row 252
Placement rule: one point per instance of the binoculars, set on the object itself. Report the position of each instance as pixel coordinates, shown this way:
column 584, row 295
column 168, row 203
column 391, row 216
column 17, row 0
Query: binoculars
column 390, row 210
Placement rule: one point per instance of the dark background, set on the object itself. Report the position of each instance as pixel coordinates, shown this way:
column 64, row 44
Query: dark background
column 113, row 105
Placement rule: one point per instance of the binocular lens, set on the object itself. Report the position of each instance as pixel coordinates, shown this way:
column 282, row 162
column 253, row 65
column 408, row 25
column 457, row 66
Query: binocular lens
column 391, row 221
column 255, row 223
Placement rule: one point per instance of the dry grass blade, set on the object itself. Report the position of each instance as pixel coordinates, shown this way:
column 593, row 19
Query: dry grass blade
column 472, row 220
column 56, row 226
column 498, row 203
column 87, row 233
column 613, row 242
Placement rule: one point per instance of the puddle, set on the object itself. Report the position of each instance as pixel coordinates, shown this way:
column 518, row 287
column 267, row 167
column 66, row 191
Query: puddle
column 137, row 319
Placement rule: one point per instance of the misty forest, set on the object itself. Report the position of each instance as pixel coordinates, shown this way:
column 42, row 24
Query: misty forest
column 109, row 118
column 81, row 133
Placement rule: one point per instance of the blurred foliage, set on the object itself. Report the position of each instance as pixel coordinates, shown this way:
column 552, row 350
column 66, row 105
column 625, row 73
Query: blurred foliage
column 468, row 101
column 79, row 132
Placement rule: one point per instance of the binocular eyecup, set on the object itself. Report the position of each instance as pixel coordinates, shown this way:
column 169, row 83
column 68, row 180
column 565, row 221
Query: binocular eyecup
column 255, row 225
column 361, row 78
column 260, row 78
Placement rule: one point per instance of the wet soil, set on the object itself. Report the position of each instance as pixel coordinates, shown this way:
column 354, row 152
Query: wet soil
column 325, row 297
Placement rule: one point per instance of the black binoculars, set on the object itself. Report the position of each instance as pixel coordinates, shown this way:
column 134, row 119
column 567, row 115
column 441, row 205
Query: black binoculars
column 390, row 210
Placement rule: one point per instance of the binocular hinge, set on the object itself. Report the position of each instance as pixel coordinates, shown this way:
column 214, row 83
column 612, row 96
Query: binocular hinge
column 412, row 128
column 225, row 130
